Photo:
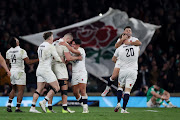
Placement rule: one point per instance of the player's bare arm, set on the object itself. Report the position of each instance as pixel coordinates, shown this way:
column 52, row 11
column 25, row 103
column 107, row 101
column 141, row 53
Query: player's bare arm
column 71, row 58
column 75, row 51
column 135, row 43
column 3, row 63
column 122, row 38
column 28, row 61
column 156, row 95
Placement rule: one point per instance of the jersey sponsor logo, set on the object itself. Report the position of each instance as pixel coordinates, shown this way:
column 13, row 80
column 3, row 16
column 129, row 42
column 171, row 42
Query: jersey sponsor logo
column 42, row 46
column 126, row 46
column 13, row 51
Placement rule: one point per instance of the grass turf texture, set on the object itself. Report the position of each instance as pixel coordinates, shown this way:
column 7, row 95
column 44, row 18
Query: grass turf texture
column 96, row 113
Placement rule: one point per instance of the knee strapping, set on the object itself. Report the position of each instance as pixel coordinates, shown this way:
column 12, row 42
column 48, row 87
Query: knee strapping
column 53, row 89
column 37, row 93
column 64, row 92
column 61, row 83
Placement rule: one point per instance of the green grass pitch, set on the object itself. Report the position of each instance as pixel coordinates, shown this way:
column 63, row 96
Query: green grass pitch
column 96, row 113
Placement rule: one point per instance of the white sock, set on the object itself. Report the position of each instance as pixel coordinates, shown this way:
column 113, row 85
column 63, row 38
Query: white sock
column 164, row 104
column 45, row 99
column 9, row 104
column 49, row 104
column 170, row 103
column 84, row 97
column 64, row 104
column 119, row 88
column 111, row 79
column 127, row 93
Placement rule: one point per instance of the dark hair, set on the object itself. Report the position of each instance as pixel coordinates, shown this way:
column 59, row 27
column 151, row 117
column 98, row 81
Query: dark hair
column 46, row 35
column 13, row 42
column 77, row 41
column 127, row 27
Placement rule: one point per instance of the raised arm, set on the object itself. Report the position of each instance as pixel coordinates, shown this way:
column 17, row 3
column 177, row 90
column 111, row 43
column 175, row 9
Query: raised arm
column 120, row 42
column 70, row 48
column 135, row 43
column 71, row 58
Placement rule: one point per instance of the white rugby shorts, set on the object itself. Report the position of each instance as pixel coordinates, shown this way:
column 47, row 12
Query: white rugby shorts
column 79, row 77
column 150, row 104
column 18, row 77
column 45, row 75
column 60, row 70
column 127, row 78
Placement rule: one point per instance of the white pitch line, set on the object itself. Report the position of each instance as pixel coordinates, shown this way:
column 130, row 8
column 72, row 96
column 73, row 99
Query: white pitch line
column 152, row 110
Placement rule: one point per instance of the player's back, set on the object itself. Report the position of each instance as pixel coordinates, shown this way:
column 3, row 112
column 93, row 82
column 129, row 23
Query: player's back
column 16, row 56
column 128, row 56
column 60, row 50
column 79, row 65
column 45, row 55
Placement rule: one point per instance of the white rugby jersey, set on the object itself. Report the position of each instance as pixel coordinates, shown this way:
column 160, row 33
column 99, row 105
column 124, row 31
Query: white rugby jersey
column 131, row 39
column 16, row 57
column 79, row 65
column 60, row 49
column 46, row 52
column 128, row 56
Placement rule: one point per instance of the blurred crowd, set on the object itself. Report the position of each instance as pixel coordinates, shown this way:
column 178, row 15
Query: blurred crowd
column 159, row 62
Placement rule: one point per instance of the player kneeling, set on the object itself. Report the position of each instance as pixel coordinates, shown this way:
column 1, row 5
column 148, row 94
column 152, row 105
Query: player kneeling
column 156, row 96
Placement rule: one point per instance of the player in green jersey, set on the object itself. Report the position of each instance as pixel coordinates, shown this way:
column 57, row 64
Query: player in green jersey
column 156, row 96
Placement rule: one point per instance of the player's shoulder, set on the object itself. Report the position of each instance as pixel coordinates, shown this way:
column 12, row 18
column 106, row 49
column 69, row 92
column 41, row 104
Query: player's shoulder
column 8, row 50
column 81, row 49
column 22, row 49
column 134, row 38
column 151, row 88
column 55, row 43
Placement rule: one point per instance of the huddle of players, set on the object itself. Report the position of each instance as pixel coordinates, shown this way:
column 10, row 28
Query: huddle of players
column 126, row 66
column 52, row 70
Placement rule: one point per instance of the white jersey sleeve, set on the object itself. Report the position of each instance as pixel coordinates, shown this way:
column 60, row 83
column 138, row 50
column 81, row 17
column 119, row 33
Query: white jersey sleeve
column 116, row 52
column 7, row 55
column 132, row 39
column 55, row 54
column 24, row 54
